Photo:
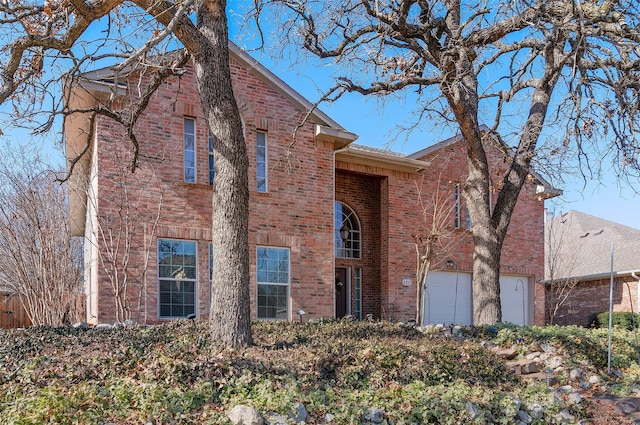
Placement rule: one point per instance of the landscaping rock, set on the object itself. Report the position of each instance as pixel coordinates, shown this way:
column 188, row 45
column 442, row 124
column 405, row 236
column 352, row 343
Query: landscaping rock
column 537, row 411
column 554, row 362
column 374, row 416
column 594, row 379
column 566, row 416
column 576, row 374
column 533, row 355
column 547, row 348
column 524, row 417
column 104, row 327
column 506, row 353
column 298, row 413
column 575, row 398
column 80, row 325
column 328, row 418
column 273, row 418
column 473, row 410
column 245, row 415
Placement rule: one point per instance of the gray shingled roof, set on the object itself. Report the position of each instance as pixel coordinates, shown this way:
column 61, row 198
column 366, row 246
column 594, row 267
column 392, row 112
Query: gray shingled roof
column 588, row 239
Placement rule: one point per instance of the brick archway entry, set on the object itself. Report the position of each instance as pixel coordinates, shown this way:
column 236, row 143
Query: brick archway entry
column 341, row 290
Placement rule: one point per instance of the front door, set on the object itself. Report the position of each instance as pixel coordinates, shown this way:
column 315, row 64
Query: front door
column 341, row 289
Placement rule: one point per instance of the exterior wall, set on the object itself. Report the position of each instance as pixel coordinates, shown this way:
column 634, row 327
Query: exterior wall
column 296, row 212
column 592, row 297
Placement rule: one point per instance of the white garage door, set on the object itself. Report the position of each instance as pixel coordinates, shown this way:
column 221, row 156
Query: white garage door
column 514, row 296
column 448, row 298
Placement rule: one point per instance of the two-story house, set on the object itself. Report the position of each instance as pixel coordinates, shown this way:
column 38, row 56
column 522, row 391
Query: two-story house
column 332, row 224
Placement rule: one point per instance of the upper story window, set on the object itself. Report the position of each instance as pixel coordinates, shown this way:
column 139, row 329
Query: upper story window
column 346, row 232
column 261, row 161
column 456, row 205
column 189, row 150
column 211, row 168
column 177, row 266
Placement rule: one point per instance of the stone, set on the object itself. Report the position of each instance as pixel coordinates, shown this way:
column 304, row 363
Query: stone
column 472, row 410
column 533, row 355
column 245, row 415
column 537, row 411
column 328, row 418
column 374, row 415
column 104, row 327
column 566, row 389
column 566, row 416
column 593, row 379
column 273, row 418
column 457, row 330
column 547, row 348
column 506, row 353
column 575, row 398
column 298, row 413
column 524, row 417
column 576, row 374
column 81, row 325
column 489, row 345
column 554, row 362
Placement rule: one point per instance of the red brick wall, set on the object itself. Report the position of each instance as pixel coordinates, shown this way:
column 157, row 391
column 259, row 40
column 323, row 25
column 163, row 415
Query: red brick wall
column 296, row 213
column 592, row 297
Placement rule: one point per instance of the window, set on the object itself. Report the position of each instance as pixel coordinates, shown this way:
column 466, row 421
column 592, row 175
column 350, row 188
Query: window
column 211, row 168
column 346, row 232
column 357, row 293
column 261, row 161
column 456, row 206
column 177, row 277
column 189, row 150
column 272, row 265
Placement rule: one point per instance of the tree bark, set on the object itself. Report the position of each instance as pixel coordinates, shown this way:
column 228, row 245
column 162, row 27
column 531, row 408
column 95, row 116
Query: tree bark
column 230, row 318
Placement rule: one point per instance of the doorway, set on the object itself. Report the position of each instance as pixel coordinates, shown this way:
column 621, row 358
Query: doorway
column 342, row 292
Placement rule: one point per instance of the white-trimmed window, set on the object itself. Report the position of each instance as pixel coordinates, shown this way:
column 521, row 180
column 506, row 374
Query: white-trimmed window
column 272, row 266
column 211, row 167
column 357, row 293
column 261, row 161
column 189, row 150
column 346, row 232
column 177, row 265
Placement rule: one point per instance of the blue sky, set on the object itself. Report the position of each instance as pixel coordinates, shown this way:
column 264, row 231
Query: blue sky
column 375, row 121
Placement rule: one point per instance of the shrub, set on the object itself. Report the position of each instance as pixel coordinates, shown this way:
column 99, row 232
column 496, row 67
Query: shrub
column 625, row 320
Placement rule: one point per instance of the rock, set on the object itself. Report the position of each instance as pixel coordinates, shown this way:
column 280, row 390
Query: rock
column 566, row 416
column 576, row 373
column 457, row 331
column 537, row 411
column 104, row 327
column 554, row 362
column 533, row 355
column 506, row 353
column 566, row 389
column 575, row 398
column 584, row 385
column 594, row 379
column 374, row 416
column 473, row 410
column 273, row 418
column 547, row 348
column 489, row 345
column 524, row 417
column 298, row 413
column 328, row 418
column 627, row 407
column 245, row 415
column 81, row 325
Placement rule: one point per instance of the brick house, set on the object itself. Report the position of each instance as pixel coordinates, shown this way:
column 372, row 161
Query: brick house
column 331, row 226
column 580, row 253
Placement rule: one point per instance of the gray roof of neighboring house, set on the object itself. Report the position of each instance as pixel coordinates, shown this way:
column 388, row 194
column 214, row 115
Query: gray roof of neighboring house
column 587, row 240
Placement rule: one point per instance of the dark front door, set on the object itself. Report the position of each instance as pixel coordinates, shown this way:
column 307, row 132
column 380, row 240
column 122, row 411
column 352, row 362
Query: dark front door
column 341, row 292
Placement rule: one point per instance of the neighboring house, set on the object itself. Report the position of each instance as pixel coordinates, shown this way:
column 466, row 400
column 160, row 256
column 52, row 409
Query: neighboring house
column 331, row 227
column 12, row 313
column 581, row 249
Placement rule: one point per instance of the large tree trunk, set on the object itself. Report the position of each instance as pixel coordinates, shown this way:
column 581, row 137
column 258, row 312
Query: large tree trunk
column 230, row 318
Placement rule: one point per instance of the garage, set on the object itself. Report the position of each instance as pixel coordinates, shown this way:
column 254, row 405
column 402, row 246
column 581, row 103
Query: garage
column 449, row 299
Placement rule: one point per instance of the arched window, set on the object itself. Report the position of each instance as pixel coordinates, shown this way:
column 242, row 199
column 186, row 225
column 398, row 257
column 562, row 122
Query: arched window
column 346, row 232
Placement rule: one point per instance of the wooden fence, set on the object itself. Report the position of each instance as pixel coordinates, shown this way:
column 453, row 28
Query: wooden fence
column 12, row 315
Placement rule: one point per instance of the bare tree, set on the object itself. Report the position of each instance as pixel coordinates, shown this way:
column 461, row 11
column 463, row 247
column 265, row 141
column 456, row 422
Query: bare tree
column 39, row 260
column 560, row 262
column 539, row 68
column 122, row 248
column 436, row 237
column 48, row 47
